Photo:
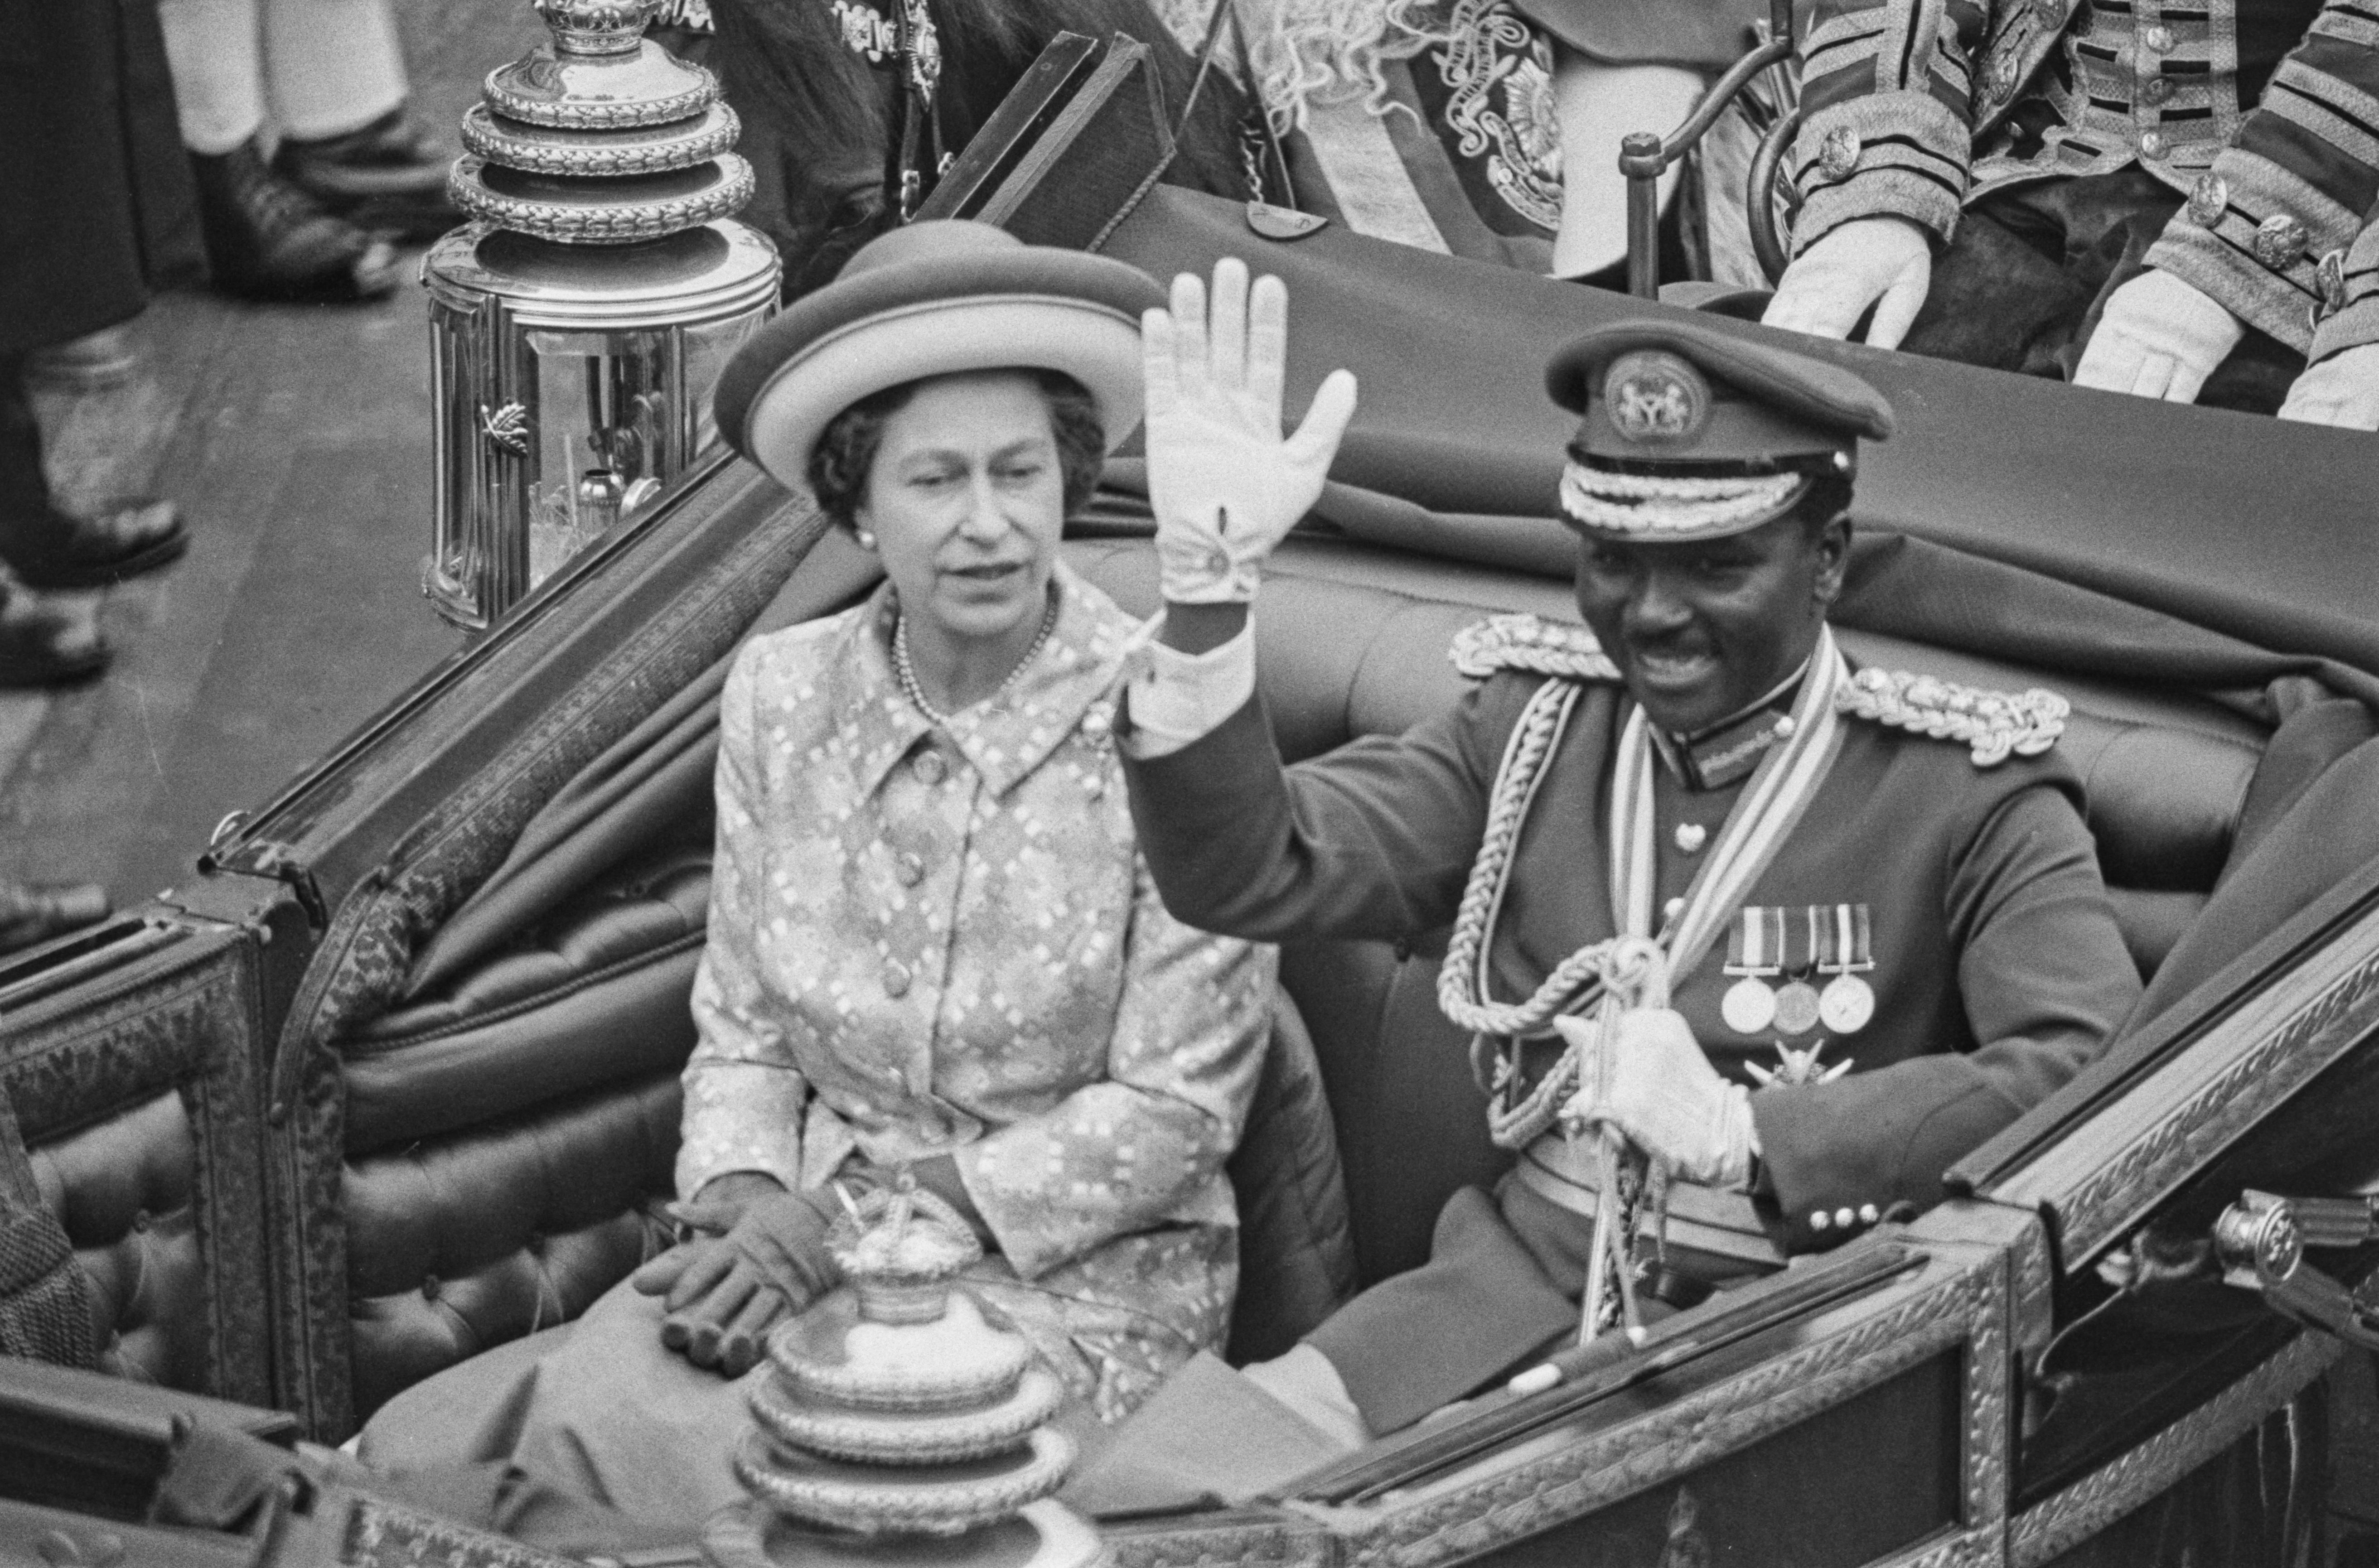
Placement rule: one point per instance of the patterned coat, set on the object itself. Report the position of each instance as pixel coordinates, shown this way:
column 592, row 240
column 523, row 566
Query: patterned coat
column 934, row 941
column 1915, row 107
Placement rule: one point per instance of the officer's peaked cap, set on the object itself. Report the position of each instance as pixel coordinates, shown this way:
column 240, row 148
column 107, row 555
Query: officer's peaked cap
column 1678, row 391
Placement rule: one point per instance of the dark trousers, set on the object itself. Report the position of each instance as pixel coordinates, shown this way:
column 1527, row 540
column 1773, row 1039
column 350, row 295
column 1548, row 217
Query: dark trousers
column 2023, row 284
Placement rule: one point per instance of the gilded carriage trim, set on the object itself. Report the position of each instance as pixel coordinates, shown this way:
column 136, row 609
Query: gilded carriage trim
column 1967, row 1549
column 1252, row 1540
column 384, row 1535
column 2040, row 1534
column 1963, row 1301
column 2308, row 1020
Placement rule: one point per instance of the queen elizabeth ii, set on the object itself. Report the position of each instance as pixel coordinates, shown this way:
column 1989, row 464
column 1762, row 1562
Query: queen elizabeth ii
column 932, row 947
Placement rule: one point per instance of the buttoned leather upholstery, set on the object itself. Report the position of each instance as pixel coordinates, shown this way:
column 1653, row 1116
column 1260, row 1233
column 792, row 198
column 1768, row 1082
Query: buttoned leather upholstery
column 508, row 1135
column 123, row 1188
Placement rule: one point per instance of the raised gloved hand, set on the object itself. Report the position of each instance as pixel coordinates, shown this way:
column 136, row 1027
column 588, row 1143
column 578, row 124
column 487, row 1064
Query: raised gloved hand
column 765, row 1259
column 1222, row 482
column 1886, row 263
column 1655, row 1086
column 2343, row 390
column 2158, row 337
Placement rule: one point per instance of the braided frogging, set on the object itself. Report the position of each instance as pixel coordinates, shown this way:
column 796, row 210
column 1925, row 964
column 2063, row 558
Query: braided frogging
column 1649, row 503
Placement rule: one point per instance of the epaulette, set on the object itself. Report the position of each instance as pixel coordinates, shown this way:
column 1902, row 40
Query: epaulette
column 1527, row 642
column 1995, row 725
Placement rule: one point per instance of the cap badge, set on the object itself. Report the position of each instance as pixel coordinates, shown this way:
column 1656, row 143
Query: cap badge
column 1659, row 399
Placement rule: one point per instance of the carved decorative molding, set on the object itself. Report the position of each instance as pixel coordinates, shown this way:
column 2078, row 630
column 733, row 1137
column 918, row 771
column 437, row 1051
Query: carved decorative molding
column 1968, row 1549
column 1271, row 1542
column 2088, row 1506
column 2287, row 1058
column 1968, row 1307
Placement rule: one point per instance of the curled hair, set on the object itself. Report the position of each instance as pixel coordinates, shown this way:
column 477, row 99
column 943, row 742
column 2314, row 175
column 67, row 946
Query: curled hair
column 1304, row 50
column 845, row 454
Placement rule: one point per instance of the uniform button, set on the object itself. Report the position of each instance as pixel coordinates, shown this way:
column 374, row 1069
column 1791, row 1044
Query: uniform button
column 896, row 978
column 1673, row 908
column 2208, row 199
column 2160, row 39
column 2279, row 241
column 2052, row 12
column 1867, row 1214
column 1837, row 154
column 909, row 869
column 1819, row 1220
column 1691, row 836
column 2156, row 90
column 1219, row 563
column 1845, row 1218
column 2002, row 76
column 2152, row 145
column 932, row 768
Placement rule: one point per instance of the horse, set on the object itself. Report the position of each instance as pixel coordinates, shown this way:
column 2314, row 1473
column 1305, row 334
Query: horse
column 820, row 121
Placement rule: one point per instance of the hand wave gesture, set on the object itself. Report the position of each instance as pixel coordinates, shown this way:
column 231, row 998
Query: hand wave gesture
column 1224, row 483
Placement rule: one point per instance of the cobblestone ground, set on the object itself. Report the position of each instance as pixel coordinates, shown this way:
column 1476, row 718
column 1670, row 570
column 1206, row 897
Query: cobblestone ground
column 297, row 440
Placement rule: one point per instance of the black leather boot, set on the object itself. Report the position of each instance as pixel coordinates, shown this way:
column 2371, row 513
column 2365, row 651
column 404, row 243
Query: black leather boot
column 267, row 239
column 387, row 176
column 46, row 547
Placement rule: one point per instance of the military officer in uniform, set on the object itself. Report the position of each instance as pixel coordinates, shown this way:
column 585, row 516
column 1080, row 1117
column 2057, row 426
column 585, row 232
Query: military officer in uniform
column 1878, row 911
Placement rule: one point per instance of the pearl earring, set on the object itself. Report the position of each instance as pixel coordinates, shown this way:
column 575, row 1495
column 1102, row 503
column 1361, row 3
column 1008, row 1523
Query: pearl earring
column 866, row 540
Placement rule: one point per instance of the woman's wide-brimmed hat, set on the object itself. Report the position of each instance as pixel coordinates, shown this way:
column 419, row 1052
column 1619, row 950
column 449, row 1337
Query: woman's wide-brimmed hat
column 936, row 298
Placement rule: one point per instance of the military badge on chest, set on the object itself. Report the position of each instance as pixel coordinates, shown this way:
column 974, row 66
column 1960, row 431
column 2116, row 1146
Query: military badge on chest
column 1781, row 957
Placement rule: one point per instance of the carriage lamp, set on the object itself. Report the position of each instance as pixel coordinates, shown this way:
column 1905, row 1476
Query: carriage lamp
column 577, row 323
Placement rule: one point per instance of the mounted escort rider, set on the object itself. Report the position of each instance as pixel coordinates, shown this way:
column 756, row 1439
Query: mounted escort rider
column 1874, row 910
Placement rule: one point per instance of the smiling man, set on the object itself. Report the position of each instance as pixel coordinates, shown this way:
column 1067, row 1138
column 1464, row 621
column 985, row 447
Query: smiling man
column 1879, row 912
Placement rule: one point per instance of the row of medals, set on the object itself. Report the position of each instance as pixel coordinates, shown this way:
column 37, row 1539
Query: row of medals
column 1753, row 1006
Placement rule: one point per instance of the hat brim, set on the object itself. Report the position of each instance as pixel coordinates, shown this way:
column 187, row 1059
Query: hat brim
column 1096, row 344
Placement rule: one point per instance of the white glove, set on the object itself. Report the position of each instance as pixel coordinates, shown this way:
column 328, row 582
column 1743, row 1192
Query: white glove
column 1658, row 1089
column 2159, row 337
column 1223, row 483
column 1886, row 263
column 2343, row 390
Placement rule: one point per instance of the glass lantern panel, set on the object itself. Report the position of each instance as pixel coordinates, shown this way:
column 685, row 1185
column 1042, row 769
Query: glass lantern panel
column 709, row 346
column 610, row 410
column 455, row 376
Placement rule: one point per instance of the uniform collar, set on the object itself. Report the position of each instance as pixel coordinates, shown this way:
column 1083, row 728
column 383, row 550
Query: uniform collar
column 1004, row 737
column 1728, row 752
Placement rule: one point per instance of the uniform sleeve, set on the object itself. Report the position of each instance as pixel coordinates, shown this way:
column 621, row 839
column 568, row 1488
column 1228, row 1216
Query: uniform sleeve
column 743, row 1095
column 2298, row 182
column 2046, row 980
column 1887, row 90
column 1373, row 839
column 2356, row 322
column 1128, row 1151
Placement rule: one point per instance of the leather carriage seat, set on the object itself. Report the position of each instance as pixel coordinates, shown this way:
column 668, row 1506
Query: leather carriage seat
column 508, row 1137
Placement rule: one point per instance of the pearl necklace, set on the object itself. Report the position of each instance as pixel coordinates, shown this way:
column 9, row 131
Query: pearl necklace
column 915, row 689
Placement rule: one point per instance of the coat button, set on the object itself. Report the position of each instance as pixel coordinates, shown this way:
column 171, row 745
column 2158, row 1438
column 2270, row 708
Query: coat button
column 932, row 768
column 2279, row 241
column 2152, row 145
column 1837, row 154
column 2160, row 40
column 908, row 869
column 1820, row 1220
column 1845, row 1218
column 2156, row 90
column 896, row 978
column 2208, row 199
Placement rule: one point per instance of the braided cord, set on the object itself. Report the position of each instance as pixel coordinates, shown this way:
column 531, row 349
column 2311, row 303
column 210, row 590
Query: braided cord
column 1650, row 503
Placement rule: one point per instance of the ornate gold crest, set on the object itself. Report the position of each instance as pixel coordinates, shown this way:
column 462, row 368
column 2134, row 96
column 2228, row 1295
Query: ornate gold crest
column 1659, row 399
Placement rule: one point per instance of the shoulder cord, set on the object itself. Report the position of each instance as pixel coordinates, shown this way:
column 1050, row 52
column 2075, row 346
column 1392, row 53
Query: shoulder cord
column 1619, row 964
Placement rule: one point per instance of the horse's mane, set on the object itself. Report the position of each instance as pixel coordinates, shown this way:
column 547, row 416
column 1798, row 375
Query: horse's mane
column 783, row 63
